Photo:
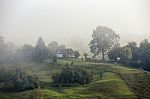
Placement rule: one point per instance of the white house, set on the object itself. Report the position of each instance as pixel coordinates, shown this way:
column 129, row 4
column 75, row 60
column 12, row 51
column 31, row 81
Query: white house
column 59, row 55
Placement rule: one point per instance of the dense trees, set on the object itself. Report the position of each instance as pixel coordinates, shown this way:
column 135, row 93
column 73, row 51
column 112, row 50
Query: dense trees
column 7, row 51
column 104, row 39
column 115, row 53
column 144, row 56
column 70, row 75
column 39, row 53
column 132, row 55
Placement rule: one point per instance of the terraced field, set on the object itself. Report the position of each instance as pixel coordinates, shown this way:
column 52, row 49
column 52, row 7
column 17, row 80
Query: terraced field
column 111, row 81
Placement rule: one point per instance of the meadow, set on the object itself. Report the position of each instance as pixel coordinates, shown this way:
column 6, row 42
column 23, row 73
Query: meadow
column 111, row 81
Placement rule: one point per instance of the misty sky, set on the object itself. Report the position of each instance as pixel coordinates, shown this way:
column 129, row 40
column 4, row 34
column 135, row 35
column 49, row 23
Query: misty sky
column 71, row 22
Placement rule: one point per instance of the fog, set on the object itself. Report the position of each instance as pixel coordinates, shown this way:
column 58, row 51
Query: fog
column 71, row 22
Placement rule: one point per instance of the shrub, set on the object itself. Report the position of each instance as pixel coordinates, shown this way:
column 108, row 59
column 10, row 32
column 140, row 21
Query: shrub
column 69, row 75
column 18, row 80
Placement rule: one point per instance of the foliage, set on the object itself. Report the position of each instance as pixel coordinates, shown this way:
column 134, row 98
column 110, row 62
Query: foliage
column 85, row 55
column 28, row 52
column 7, row 51
column 41, row 51
column 132, row 45
column 104, row 39
column 115, row 53
column 76, row 54
column 140, row 55
column 54, row 58
column 53, row 47
column 18, row 80
column 111, row 79
column 70, row 75
column 145, row 55
column 138, row 83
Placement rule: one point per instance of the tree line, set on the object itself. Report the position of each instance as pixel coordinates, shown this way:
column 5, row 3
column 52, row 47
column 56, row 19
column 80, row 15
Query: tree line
column 38, row 53
column 105, row 42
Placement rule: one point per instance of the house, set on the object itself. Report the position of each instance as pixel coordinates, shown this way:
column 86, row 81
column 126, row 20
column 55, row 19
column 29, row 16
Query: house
column 59, row 55
column 65, row 53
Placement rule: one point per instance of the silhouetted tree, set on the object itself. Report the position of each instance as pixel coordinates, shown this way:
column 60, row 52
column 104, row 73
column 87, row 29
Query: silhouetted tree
column 41, row 52
column 116, row 52
column 104, row 39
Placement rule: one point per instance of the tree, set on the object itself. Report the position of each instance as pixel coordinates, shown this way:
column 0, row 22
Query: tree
column 41, row 50
column 54, row 58
column 136, row 57
column 145, row 54
column 7, row 51
column 40, row 43
column 2, row 50
column 53, row 47
column 115, row 53
column 132, row 45
column 85, row 55
column 28, row 52
column 2, row 45
column 127, row 52
column 103, row 40
column 76, row 54
column 19, row 80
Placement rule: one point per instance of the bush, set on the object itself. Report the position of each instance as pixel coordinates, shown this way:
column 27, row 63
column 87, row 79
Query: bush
column 70, row 75
column 18, row 80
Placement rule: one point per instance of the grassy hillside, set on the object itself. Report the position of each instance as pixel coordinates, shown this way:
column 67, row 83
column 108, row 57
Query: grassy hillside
column 111, row 81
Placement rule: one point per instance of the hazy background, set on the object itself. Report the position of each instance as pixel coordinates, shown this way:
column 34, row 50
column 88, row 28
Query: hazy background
column 71, row 22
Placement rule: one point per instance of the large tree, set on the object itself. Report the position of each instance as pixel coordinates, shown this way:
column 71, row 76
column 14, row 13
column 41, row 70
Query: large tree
column 53, row 47
column 103, row 40
column 41, row 50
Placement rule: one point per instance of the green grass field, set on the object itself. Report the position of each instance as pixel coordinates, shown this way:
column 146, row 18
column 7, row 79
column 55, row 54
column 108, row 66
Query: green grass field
column 111, row 81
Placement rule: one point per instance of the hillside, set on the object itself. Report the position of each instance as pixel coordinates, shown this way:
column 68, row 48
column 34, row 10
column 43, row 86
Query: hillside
column 111, row 81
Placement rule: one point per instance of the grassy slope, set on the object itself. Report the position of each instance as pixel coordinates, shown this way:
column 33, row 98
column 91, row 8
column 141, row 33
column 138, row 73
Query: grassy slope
column 111, row 81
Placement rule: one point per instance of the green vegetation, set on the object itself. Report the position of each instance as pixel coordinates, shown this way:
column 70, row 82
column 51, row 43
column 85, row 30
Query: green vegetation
column 110, row 81
column 57, row 72
column 71, row 75
column 18, row 80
